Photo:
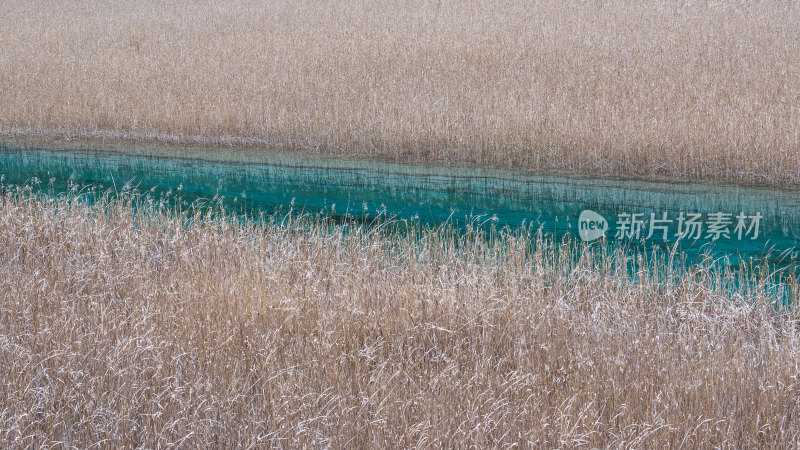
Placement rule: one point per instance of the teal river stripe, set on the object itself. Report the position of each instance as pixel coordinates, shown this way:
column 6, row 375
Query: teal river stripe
column 253, row 181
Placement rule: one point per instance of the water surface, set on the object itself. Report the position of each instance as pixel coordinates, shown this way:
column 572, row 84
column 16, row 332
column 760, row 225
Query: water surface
column 258, row 181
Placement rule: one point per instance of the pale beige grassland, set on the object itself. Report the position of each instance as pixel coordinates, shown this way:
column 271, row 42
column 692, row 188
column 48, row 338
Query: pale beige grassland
column 683, row 89
column 137, row 330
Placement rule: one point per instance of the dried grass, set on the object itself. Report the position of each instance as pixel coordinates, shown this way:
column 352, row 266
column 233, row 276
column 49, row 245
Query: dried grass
column 683, row 89
column 127, row 329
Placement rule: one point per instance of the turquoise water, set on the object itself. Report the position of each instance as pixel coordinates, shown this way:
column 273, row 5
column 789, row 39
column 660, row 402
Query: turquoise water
column 252, row 182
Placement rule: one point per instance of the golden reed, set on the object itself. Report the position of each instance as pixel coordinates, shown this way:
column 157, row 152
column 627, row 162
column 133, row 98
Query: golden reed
column 140, row 330
column 681, row 89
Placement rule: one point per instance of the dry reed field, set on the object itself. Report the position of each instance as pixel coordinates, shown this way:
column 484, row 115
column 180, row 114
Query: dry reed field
column 123, row 329
column 680, row 89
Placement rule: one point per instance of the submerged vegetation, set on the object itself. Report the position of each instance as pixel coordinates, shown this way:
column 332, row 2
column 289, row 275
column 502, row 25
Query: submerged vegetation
column 682, row 89
column 165, row 327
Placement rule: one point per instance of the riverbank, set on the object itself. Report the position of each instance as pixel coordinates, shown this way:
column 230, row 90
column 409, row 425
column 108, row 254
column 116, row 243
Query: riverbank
column 225, row 147
column 670, row 90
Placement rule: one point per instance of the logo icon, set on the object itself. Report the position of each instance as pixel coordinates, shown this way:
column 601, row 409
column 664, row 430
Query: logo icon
column 591, row 225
